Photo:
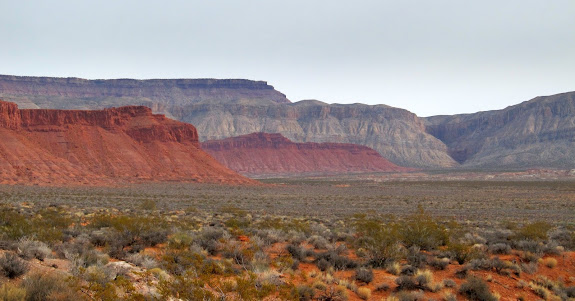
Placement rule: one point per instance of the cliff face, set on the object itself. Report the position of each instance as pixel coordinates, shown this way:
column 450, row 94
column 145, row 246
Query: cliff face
column 228, row 108
column 76, row 93
column 262, row 154
column 126, row 144
column 536, row 133
column 396, row 134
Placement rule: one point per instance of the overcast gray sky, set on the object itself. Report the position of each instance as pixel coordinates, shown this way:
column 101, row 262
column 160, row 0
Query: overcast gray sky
column 429, row 57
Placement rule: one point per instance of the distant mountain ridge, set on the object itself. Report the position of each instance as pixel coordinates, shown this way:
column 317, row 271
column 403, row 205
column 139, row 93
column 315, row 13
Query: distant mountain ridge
column 537, row 133
column 77, row 93
column 264, row 155
column 238, row 107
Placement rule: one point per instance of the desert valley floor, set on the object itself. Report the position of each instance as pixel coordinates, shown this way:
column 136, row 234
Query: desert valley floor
column 426, row 238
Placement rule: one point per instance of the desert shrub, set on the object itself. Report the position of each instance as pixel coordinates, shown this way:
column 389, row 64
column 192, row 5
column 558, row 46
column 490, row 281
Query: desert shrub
column 529, row 257
column 154, row 237
column 318, row 242
column 337, row 293
column 323, row 264
column 177, row 262
column 528, row 246
column 408, row 270
column 550, row 262
column 142, row 260
column 476, row 289
column 185, row 287
column 261, row 262
column 383, row 287
column 424, row 279
column 480, row 264
column 449, row 283
column 13, row 225
column 12, row 292
column 551, row 248
column 363, row 274
column 438, row 263
column 250, row 289
column 364, row 293
column 449, row 296
column 48, row 225
column 296, row 252
column 462, row 252
column 415, row 257
column 379, row 242
column 405, row 282
column 462, row 272
column 209, row 238
column 29, row 249
column 570, row 291
column 43, row 286
column 180, row 240
column 500, row 248
column 241, row 256
column 296, row 237
column 534, row 231
column 423, row 231
column 408, row 296
column 337, row 261
column 564, row 237
column 148, row 205
column 12, row 266
column 303, row 292
column 540, row 291
column 393, row 268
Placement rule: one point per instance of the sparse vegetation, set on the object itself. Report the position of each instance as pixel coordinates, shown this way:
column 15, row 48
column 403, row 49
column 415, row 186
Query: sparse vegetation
column 213, row 243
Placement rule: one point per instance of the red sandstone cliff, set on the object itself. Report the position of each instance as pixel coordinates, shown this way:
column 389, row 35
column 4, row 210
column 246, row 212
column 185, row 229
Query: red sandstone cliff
column 262, row 154
column 124, row 144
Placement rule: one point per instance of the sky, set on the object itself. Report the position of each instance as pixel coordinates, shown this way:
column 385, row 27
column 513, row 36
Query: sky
column 429, row 57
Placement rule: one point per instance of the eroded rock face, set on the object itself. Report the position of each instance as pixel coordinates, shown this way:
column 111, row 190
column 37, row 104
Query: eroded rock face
column 535, row 133
column 229, row 108
column 77, row 93
column 263, row 154
column 396, row 134
column 126, row 144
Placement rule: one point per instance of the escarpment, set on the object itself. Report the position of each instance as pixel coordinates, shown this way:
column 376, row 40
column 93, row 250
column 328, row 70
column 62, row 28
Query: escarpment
column 535, row 133
column 398, row 135
column 127, row 144
column 263, row 154
column 229, row 108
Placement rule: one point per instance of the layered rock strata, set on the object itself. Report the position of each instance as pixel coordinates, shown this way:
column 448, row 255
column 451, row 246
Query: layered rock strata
column 265, row 155
column 127, row 144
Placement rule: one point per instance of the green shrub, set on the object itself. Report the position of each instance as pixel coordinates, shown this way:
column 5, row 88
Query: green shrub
column 379, row 242
column 423, row 231
column 533, row 231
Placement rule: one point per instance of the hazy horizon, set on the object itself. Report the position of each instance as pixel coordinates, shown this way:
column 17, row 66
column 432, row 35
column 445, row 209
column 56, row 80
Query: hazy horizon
column 428, row 57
